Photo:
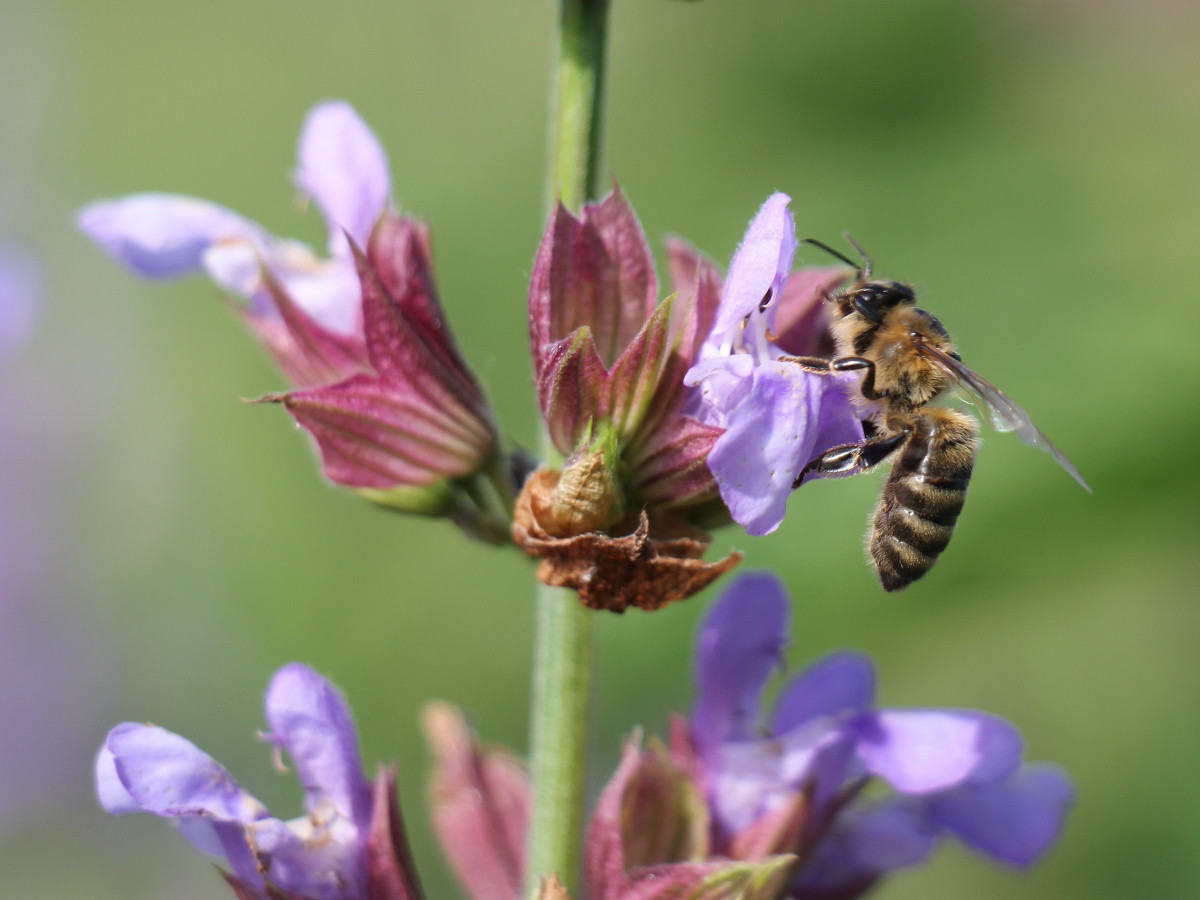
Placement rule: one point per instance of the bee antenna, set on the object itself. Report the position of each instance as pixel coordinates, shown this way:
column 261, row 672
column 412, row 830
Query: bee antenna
column 866, row 269
column 847, row 260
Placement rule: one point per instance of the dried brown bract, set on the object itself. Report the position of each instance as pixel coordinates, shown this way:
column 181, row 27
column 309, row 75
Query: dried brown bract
column 643, row 560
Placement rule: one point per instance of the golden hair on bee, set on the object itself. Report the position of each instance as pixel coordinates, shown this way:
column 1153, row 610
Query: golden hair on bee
column 908, row 361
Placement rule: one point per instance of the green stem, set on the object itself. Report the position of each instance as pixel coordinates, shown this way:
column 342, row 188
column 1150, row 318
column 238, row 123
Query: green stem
column 558, row 761
column 577, row 112
column 562, row 673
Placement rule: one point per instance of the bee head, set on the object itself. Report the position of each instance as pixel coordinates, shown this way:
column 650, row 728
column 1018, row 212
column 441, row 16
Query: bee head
column 873, row 299
column 869, row 299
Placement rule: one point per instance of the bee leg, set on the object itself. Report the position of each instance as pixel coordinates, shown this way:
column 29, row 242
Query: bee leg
column 849, row 459
column 854, row 363
column 819, row 366
column 813, row 364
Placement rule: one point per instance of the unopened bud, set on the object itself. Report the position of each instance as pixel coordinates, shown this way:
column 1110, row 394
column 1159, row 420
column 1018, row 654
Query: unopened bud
column 586, row 496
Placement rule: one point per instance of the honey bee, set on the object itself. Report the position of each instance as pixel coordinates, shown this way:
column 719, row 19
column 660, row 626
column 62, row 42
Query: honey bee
column 908, row 361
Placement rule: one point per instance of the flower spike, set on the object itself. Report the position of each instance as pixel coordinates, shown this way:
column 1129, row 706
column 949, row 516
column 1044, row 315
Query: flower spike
column 707, row 423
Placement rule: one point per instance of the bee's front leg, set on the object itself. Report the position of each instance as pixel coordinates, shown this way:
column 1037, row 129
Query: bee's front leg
column 850, row 459
column 819, row 366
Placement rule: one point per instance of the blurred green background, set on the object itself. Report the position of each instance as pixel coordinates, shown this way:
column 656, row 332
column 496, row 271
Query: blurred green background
column 1031, row 166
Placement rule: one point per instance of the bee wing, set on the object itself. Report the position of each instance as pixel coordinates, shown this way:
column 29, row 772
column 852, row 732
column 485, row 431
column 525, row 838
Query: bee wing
column 1005, row 415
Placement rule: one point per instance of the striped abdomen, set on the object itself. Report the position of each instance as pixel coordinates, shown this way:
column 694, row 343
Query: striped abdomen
column 923, row 496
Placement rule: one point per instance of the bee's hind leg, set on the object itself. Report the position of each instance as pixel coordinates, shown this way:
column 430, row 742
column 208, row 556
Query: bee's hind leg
column 850, row 459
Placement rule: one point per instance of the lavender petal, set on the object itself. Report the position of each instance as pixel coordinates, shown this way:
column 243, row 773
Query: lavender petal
column 839, row 683
column 312, row 721
column 111, row 793
column 921, row 751
column 761, row 263
column 790, row 417
column 1014, row 821
column 740, row 643
column 168, row 775
column 343, row 167
column 862, row 847
column 163, row 235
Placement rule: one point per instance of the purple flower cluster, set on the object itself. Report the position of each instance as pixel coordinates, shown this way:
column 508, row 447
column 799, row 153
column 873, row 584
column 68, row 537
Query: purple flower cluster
column 393, row 407
column 347, row 845
column 951, row 772
column 690, row 389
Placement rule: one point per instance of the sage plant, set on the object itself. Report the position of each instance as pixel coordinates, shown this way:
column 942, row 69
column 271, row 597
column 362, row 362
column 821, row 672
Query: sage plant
column 666, row 412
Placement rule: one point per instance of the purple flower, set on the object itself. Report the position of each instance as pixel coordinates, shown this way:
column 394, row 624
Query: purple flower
column 305, row 309
column 348, row 845
column 776, row 416
column 393, row 407
column 416, row 418
column 794, row 781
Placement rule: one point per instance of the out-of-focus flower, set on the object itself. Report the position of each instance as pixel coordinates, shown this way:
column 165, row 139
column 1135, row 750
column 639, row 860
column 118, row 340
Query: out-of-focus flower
column 783, row 807
column 647, row 839
column 54, row 655
column 416, row 423
column 20, row 297
column 775, row 416
column 479, row 801
column 795, row 781
column 305, row 309
column 393, row 406
column 350, row 845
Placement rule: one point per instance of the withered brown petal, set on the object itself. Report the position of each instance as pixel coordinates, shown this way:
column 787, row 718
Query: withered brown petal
column 646, row 563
